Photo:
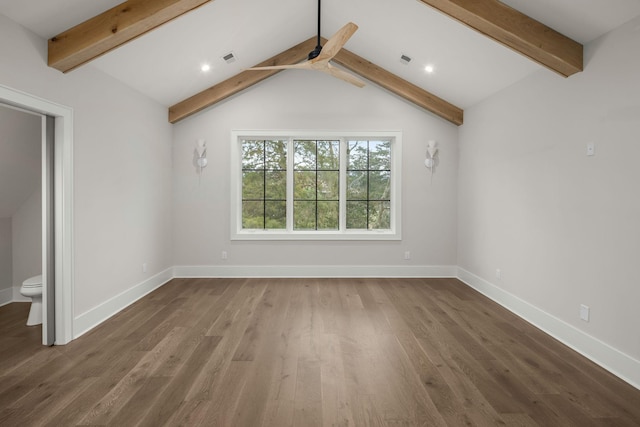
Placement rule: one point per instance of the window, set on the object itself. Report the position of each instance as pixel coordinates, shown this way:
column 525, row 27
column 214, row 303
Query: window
column 369, row 185
column 264, row 184
column 316, row 185
column 305, row 186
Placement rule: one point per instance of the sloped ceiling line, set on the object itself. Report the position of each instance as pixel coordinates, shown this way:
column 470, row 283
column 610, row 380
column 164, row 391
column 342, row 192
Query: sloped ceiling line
column 349, row 60
column 111, row 29
column 400, row 87
column 517, row 31
column 239, row 82
column 492, row 18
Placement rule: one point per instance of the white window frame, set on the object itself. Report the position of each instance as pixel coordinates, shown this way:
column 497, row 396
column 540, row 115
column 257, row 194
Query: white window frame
column 237, row 233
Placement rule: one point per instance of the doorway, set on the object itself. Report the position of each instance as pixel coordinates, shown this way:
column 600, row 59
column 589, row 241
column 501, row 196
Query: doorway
column 21, row 209
column 57, row 224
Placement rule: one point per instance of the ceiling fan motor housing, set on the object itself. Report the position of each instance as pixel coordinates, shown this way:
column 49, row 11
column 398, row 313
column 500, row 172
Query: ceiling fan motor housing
column 315, row 52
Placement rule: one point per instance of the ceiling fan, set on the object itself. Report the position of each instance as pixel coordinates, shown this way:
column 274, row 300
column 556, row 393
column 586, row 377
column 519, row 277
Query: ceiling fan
column 319, row 58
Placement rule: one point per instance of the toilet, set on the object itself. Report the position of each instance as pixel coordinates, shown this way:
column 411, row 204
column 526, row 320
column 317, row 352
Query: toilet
column 32, row 288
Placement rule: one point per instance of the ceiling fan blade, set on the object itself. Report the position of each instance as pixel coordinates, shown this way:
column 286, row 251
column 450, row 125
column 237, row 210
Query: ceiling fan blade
column 343, row 75
column 302, row 65
column 335, row 43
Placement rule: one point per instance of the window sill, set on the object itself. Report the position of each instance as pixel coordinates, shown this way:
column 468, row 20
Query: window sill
column 316, row 235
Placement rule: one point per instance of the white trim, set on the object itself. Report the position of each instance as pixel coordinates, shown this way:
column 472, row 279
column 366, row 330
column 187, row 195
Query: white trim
column 47, row 217
column 6, row 296
column 319, row 271
column 622, row 365
column 63, row 201
column 235, row 203
column 351, row 235
column 92, row 318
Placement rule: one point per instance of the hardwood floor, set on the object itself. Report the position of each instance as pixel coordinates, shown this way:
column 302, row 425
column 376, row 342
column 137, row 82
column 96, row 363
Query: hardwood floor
column 306, row 352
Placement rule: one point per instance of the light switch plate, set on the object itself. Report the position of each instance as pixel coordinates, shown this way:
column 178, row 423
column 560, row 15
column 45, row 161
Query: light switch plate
column 584, row 312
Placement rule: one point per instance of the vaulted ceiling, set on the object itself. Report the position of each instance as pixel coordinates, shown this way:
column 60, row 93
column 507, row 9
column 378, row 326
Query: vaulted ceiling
column 457, row 37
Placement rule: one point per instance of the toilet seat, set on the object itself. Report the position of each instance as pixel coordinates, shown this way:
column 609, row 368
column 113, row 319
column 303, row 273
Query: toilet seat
column 33, row 282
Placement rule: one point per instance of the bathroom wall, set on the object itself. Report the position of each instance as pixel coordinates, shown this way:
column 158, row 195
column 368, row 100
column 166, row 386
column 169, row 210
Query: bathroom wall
column 6, row 275
column 27, row 242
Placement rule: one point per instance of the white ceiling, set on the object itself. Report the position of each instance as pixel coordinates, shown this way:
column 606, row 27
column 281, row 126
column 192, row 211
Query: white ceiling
column 165, row 64
column 20, row 166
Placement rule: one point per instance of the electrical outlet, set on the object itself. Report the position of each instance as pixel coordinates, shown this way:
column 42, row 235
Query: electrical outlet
column 498, row 273
column 224, row 255
column 144, row 267
column 407, row 255
column 584, row 312
column 591, row 148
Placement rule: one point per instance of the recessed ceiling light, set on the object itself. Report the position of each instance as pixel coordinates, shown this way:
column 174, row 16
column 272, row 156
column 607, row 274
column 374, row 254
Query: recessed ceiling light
column 429, row 69
column 205, row 67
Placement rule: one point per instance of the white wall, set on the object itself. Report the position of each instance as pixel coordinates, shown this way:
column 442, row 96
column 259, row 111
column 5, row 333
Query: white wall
column 309, row 100
column 122, row 168
column 562, row 227
column 26, row 231
column 6, row 273
column 20, row 158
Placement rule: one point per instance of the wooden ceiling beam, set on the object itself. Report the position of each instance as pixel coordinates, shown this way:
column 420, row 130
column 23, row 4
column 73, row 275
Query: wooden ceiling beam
column 298, row 53
column 239, row 82
column 399, row 86
column 516, row 31
column 113, row 28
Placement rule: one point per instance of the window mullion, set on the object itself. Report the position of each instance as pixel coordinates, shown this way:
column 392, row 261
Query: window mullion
column 264, row 184
column 342, row 168
column 290, row 155
column 368, row 183
column 316, row 185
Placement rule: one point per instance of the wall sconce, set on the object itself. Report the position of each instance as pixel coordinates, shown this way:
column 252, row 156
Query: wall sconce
column 201, row 155
column 432, row 156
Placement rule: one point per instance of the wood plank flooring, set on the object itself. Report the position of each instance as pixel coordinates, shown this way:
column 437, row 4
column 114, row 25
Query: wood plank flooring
column 306, row 352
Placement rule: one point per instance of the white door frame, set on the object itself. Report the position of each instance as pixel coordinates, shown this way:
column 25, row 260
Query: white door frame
column 63, row 196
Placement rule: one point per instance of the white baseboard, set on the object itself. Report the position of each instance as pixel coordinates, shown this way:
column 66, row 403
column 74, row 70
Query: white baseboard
column 321, row 271
column 6, row 296
column 92, row 318
column 622, row 365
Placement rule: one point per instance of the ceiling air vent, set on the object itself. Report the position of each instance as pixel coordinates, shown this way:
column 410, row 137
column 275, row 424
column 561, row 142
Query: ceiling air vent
column 229, row 58
column 405, row 59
